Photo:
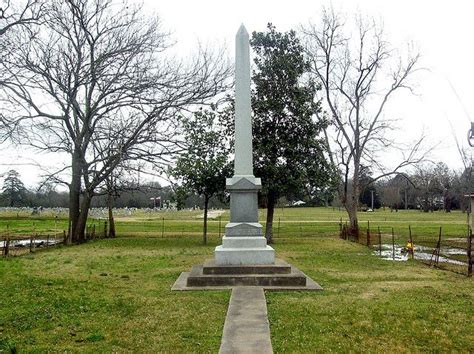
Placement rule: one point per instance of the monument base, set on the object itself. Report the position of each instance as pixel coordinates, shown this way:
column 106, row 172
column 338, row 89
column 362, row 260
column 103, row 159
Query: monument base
column 277, row 276
column 242, row 255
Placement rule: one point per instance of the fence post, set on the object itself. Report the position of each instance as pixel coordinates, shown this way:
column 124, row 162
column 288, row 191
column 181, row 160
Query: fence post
column 278, row 230
column 93, row 231
column 438, row 246
column 220, row 218
column 380, row 242
column 469, row 252
column 4, row 250
column 368, row 233
column 162, row 227
column 7, row 247
column 393, row 244
column 105, row 228
column 55, row 226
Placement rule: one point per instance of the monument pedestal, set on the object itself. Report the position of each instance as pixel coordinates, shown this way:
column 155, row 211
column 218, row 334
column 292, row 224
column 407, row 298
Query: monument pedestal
column 213, row 276
column 244, row 258
column 244, row 242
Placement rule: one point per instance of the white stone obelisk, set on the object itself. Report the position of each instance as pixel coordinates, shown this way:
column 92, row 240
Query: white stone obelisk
column 243, row 242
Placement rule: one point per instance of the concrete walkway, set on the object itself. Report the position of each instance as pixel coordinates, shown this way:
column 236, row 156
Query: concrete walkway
column 246, row 328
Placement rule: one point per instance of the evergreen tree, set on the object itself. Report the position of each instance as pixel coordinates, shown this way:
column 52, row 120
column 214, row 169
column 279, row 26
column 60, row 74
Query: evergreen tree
column 13, row 189
column 289, row 155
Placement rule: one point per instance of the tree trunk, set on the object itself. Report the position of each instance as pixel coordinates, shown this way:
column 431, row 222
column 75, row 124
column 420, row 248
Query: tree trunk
column 74, row 198
column 82, row 219
column 353, row 220
column 110, row 205
column 271, row 201
column 352, row 205
column 206, row 205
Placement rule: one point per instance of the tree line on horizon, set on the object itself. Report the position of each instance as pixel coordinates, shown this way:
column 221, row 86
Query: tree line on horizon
column 429, row 188
column 93, row 80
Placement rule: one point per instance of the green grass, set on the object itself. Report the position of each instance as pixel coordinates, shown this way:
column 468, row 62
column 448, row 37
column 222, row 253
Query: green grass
column 287, row 222
column 109, row 295
column 369, row 304
column 114, row 294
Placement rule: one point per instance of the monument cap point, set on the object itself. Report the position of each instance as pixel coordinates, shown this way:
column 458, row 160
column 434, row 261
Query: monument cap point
column 242, row 31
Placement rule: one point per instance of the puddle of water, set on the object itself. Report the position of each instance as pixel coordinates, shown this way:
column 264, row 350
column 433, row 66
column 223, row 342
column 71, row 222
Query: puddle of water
column 26, row 243
column 387, row 253
column 426, row 257
column 421, row 252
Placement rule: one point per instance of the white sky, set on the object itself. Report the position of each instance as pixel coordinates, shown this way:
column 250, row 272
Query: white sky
column 442, row 30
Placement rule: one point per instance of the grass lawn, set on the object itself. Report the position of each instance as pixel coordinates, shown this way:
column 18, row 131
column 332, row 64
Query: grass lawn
column 287, row 222
column 109, row 295
column 114, row 294
column 369, row 304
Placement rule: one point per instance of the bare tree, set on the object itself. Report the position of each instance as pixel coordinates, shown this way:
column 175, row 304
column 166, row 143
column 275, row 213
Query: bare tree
column 96, row 84
column 14, row 17
column 357, row 82
column 432, row 181
column 119, row 181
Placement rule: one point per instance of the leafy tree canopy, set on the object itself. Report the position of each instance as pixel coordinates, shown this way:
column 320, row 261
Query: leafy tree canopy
column 205, row 164
column 289, row 154
column 13, row 189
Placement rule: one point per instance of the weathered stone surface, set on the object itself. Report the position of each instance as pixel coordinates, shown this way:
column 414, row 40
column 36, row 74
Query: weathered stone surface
column 244, row 255
column 243, row 125
column 243, row 183
column 245, row 248
column 213, row 274
column 181, row 285
column 243, row 206
column 243, row 242
column 280, row 267
column 238, row 229
column 246, row 327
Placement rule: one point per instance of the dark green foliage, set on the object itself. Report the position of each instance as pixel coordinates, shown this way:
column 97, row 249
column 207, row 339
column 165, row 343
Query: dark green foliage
column 367, row 186
column 289, row 155
column 205, row 165
column 13, row 189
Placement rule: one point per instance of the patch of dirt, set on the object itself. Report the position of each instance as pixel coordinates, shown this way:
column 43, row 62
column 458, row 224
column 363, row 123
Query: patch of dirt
column 211, row 214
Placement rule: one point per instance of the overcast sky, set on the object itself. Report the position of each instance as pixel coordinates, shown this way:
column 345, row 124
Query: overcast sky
column 442, row 31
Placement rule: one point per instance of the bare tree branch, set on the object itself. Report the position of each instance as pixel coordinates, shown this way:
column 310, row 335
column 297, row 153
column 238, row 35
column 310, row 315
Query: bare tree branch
column 357, row 86
column 97, row 84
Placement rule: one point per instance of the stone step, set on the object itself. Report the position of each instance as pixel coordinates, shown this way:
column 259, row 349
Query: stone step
column 241, row 256
column 244, row 242
column 198, row 278
column 280, row 267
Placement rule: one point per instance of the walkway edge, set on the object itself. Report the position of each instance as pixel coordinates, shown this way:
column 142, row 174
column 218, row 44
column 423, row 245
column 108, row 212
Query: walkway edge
column 246, row 327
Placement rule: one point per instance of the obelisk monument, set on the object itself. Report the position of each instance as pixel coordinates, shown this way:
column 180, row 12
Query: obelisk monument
column 243, row 242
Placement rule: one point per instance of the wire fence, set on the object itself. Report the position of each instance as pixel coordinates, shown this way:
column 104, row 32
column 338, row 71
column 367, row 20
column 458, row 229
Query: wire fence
column 436, row 248
column 17, row 245
column 443, row 252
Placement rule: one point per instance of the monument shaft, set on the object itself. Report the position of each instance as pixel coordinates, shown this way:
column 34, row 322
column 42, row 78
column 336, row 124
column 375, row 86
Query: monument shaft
column 243, row 124
column 243, row 242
